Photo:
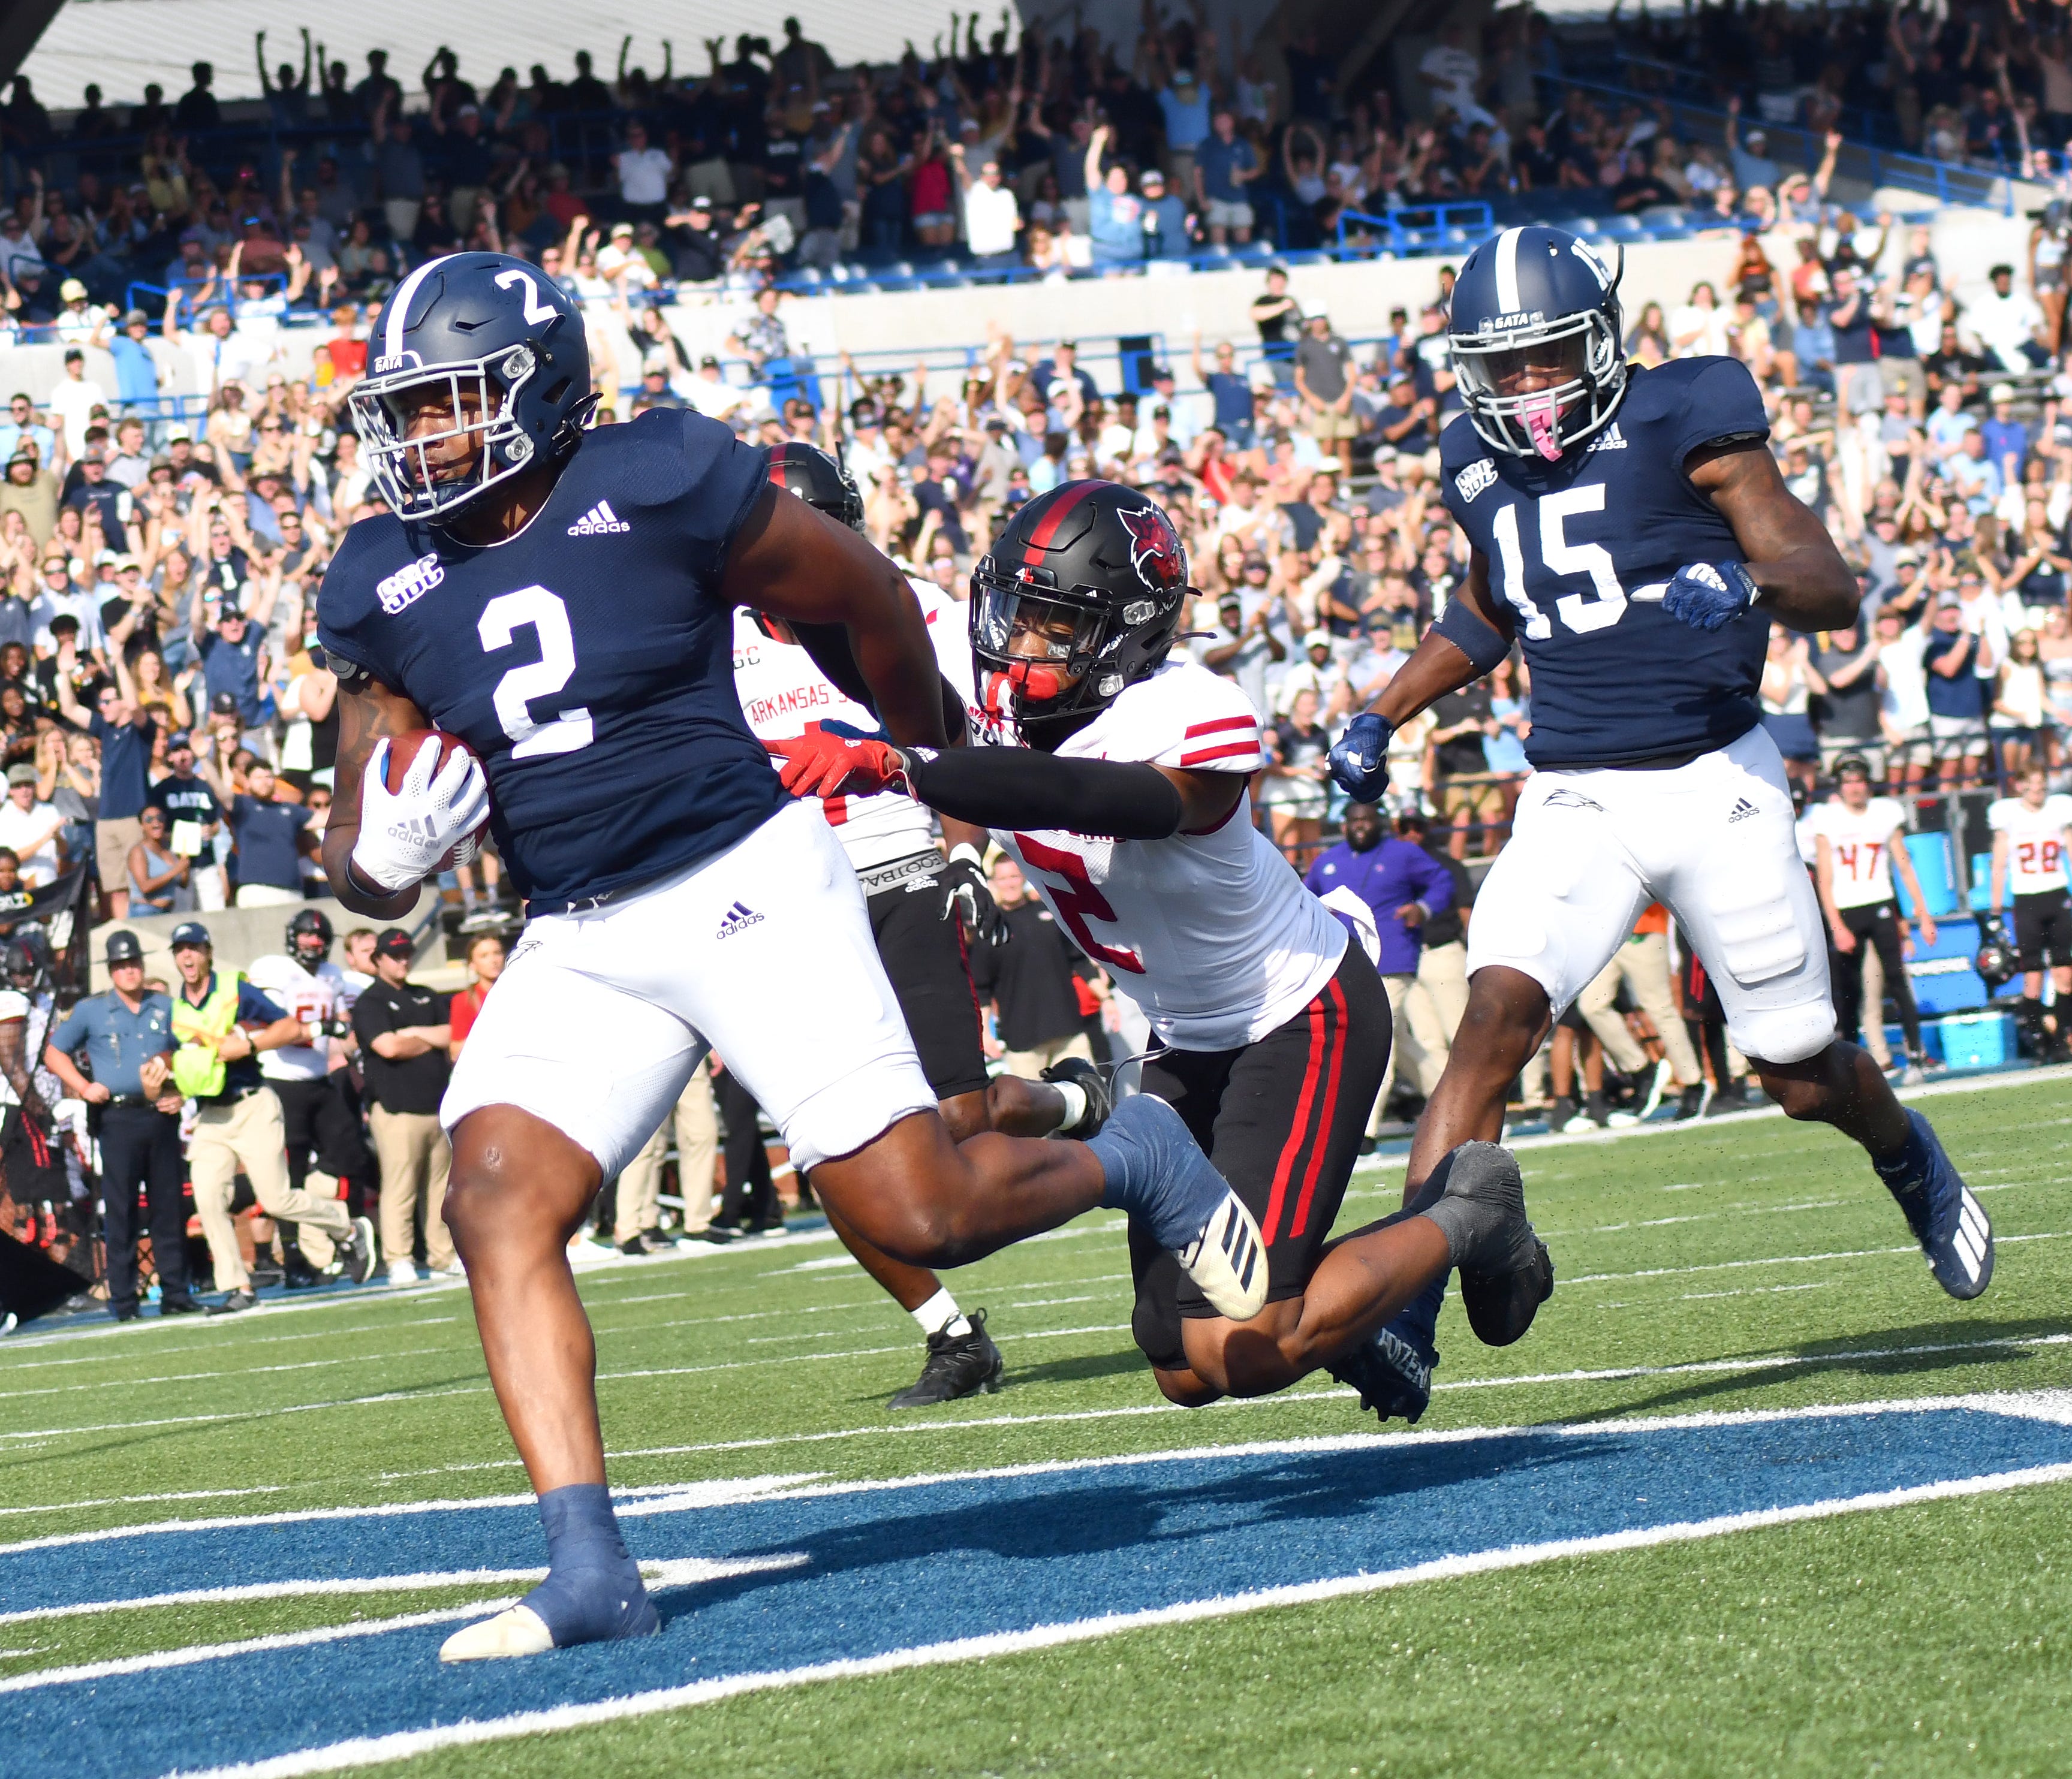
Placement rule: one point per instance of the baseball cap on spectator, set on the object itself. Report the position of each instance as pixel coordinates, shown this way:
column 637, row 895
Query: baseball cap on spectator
column 1152, row 176
column 191, row 933
column 73, row 352
column 1853, row 764
column 1318, row 639
column 72, row 291
column 21, row 773
column 224, row 703
column 620, row 229
column 2000, row 392
column 394, row 943
column 179, row 741
column 136, row 318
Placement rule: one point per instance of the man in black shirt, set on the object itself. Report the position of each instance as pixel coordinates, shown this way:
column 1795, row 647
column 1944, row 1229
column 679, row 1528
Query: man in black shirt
column 1845, row 710
column 403, row 1033
column 185, row 798
column 1462, row 719
column 1029, row 979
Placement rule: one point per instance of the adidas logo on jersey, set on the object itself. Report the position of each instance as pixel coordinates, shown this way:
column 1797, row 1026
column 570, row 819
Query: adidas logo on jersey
column 738, row 919
column 1475, row 478
column 407, row 585
column 1741, row 811
column 1610, row 439
column 600, row 520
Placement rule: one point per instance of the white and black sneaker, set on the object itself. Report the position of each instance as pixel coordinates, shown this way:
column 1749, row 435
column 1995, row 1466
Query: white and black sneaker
column 959, row 1365
column 355, row 1252
column 1076, row 1071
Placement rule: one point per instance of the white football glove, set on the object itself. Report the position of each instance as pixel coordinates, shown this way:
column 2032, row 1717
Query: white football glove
column 404, row 834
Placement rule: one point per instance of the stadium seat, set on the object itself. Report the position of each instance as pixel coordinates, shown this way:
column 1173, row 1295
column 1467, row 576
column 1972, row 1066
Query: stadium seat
column 1617, row 225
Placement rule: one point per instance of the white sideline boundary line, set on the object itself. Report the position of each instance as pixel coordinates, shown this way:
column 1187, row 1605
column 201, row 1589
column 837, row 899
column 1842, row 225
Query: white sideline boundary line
column 1521, row 1380
column 660, row 1578
column 724, row 1492
column 370, row 1750
column 644, row 1502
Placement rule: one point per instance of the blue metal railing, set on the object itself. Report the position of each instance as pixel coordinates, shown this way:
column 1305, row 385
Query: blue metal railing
column 1404, row 232
column 1947, row 182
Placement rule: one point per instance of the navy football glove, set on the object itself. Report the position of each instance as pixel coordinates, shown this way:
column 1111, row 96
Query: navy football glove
column 1708, row 595
column 1360, row 761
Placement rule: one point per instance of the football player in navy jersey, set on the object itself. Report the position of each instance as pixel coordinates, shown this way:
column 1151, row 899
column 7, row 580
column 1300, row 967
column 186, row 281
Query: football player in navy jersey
column 562, row 601
column 1633, row 536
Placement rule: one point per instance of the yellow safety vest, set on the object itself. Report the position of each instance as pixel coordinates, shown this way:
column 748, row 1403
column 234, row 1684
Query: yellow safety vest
column 198, row 1071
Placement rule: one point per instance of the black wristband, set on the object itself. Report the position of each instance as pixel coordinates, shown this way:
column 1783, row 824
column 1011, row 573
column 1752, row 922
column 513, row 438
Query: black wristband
column 1020, row 787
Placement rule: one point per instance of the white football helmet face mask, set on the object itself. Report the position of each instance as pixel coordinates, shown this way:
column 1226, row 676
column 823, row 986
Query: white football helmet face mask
column 479, row 398
column 1536, row 391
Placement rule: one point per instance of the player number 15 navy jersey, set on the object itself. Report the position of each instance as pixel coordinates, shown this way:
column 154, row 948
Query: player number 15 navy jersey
column 1582, row 549
column 588, row 660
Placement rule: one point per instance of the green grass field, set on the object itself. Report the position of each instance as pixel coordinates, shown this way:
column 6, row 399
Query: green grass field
column 1747, row 1265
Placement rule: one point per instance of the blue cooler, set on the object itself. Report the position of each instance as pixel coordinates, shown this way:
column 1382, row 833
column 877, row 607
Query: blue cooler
column 1977, row 1040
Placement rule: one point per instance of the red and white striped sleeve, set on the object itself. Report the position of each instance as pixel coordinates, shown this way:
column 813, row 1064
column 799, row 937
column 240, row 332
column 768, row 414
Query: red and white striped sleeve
column 1213, row 726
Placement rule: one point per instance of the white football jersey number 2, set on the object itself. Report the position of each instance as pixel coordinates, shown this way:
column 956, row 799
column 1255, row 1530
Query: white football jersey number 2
column 502, row 618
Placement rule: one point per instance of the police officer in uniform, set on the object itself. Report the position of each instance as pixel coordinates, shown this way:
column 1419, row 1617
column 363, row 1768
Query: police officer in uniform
column 126, row 1037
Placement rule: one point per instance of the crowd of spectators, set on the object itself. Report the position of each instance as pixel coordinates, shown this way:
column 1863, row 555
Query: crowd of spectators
column 165, row 725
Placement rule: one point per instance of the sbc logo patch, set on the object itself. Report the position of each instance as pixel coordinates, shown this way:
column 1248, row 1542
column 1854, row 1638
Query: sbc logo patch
column 407, row 585
column 1475, row 478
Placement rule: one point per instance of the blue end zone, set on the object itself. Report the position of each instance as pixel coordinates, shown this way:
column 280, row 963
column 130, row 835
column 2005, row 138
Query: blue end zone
column 888, row 1568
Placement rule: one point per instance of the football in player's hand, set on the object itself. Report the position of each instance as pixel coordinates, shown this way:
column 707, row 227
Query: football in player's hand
column 403, row 751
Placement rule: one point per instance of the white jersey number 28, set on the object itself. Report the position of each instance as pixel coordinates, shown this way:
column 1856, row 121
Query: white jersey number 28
column 516, row 693
column 1579, row 611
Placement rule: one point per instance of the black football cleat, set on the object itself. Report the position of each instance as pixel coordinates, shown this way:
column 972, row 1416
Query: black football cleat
column 235, row 1303
column 178, row 1306
column 1501, row 1305
column 1089, row 1080
column 1393, row 1378
column 959, row 1365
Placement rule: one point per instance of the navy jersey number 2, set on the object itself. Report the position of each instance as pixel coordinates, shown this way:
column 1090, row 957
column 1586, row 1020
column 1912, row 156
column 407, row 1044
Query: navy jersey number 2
column 1581, row 550
column 588, row 660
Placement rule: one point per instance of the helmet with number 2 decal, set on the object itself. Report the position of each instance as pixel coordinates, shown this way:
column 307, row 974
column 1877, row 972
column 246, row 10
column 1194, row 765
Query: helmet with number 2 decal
column 1538, row 349
column 496, row 355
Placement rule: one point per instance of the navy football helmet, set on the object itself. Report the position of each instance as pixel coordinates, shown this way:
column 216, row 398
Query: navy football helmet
column 485, row 330
column 1079, row 596
column 1539, row 346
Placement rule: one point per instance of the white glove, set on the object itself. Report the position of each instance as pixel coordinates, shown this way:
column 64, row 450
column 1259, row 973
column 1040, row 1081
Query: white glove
column 405, row 834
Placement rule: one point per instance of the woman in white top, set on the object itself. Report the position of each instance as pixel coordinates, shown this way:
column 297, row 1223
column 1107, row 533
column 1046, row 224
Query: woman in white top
column 1698, row 328
column 2019, row 707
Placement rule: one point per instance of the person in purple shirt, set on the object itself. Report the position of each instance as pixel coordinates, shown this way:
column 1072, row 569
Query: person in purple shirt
column 1402, row 886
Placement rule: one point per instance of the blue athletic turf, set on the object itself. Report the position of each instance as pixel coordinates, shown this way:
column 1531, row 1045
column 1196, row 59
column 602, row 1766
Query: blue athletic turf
column 893, row 1566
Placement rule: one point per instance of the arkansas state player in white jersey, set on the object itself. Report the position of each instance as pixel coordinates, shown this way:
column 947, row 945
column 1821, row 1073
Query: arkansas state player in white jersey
column 1860, row 842
column 913, row 896
column 2030, row 834
column 1120, row 787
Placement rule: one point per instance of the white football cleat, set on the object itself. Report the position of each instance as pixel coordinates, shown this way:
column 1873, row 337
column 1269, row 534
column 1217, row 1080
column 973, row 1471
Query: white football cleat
column 1227, row 1261
column 517, row 1630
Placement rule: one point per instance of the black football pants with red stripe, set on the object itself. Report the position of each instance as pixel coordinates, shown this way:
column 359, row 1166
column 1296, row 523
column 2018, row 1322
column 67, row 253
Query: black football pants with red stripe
column 1282, row 1121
